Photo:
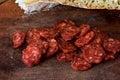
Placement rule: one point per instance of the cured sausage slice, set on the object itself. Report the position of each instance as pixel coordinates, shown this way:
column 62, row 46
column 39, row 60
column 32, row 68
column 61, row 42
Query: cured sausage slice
column 110, row 56
column 99, row 37
column 42, row 44
column 82, row 41
column 80, row 64
column 83, row 30
column 64, row 24
column 32, row 35
column 112, row 45
column 48, row 33
column 66, row 47
column 67, row 29
column 18, row 38
column 65, row 57
column 52, row 47
column 93, row 53
column 69, row 33
column 31, row 55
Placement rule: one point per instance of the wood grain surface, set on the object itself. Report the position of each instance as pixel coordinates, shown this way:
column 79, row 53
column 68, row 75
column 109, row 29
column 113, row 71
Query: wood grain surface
column 11, row 66
column 10, row 10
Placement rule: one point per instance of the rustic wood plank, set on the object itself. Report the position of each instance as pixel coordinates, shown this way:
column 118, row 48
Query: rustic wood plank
column 11, row 66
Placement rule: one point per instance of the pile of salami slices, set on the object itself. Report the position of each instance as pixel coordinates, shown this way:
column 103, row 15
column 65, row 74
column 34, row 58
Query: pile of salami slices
column 80, row 45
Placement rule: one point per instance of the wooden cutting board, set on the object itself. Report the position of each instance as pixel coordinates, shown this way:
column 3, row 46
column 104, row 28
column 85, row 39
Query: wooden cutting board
column 11, row 66
column 9, row 9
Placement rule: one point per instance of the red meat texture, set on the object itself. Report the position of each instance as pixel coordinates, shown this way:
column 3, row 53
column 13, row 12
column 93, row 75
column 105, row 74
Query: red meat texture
column 80, row 64
column 18, row 38
column 31, row 55
column 65, row 57
column 80, row 45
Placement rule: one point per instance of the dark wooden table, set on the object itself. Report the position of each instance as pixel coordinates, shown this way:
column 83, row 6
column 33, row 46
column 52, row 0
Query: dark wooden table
column 11, row 66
